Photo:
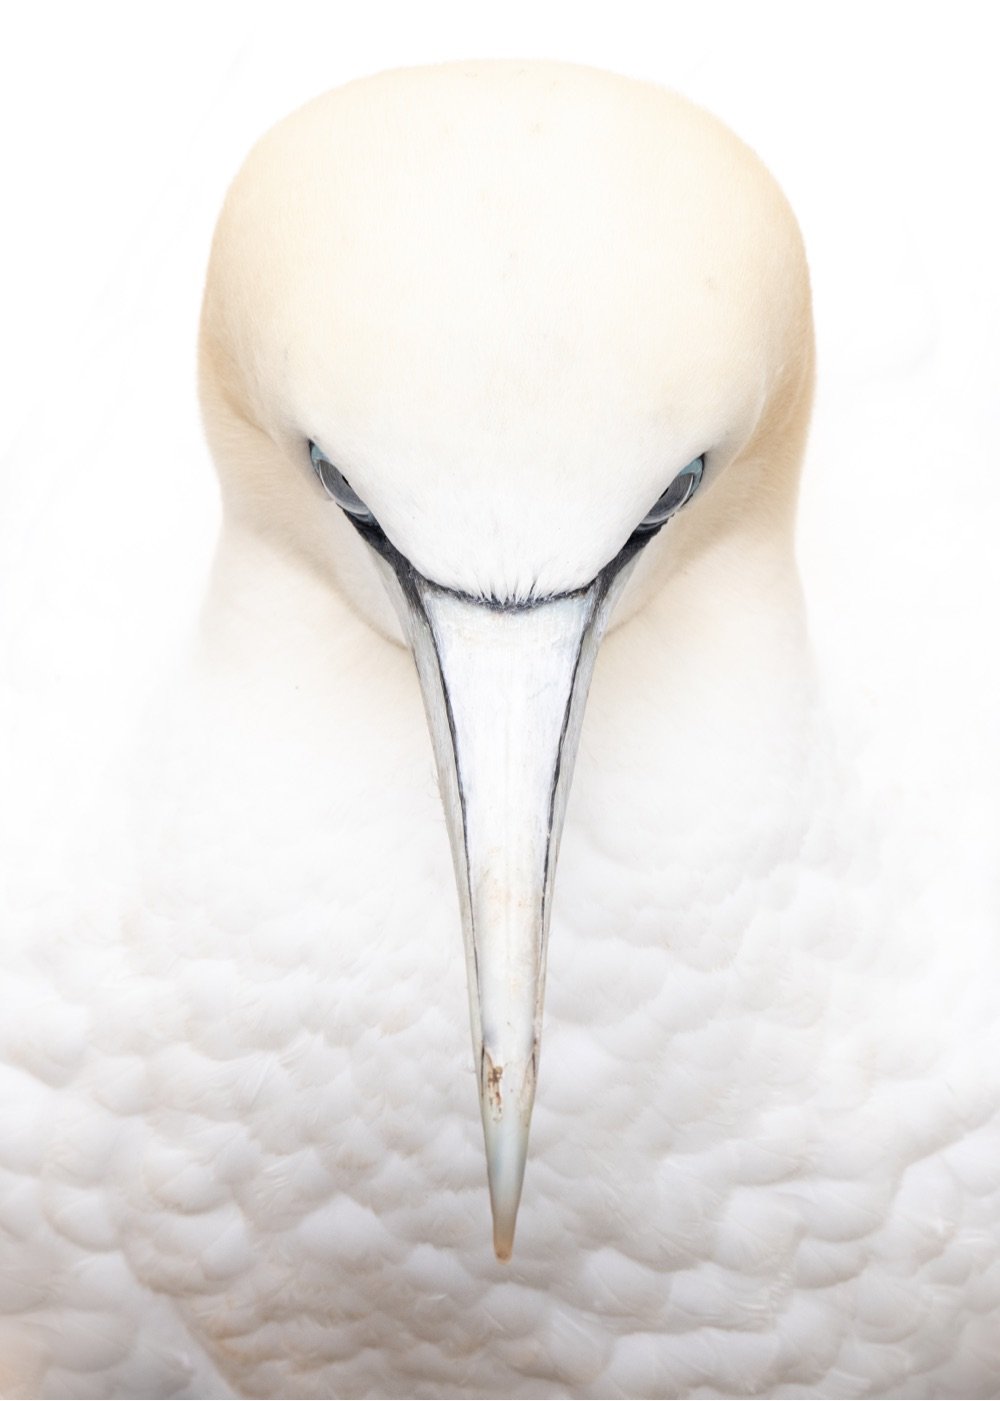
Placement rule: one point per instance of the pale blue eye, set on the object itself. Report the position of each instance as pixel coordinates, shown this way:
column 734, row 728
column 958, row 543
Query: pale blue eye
column 680, row 491
column 337, row 487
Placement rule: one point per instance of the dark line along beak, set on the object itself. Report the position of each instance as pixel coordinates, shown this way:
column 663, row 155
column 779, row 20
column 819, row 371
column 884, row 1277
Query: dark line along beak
column 504, row 689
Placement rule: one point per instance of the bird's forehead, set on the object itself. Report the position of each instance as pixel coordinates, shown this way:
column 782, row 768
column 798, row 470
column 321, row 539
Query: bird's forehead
column 505, row 303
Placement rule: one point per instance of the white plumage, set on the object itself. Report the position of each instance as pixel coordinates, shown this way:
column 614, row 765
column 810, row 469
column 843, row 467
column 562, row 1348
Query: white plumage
column 241, row 1145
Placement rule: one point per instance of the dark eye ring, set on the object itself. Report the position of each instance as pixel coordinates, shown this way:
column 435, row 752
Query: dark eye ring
column 336, row 485
column 677, row 494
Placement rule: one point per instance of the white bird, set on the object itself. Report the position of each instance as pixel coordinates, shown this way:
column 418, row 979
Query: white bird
column 497, row 357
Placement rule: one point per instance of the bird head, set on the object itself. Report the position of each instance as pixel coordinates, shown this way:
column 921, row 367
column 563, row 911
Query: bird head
column 485, row 347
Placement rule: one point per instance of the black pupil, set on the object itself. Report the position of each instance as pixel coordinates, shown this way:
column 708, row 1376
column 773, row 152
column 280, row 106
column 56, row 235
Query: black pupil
column 672, row 499
column 675, row 494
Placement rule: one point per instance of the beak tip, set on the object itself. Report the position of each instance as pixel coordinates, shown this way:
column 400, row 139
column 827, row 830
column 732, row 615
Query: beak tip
column 503, row 1245
column 504, row 1205
column 506, row 1132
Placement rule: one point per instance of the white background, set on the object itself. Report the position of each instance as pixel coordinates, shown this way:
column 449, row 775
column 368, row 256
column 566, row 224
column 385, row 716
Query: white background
column 121, row 126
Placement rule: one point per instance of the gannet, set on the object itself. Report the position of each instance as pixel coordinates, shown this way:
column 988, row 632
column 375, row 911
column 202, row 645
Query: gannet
column 506, row 369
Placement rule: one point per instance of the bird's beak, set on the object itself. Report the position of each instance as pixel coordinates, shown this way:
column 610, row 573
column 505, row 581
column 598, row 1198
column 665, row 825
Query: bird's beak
column 504, row 690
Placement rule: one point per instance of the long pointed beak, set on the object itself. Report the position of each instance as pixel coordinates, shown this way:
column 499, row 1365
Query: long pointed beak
column 504, row 689
column 505, row 726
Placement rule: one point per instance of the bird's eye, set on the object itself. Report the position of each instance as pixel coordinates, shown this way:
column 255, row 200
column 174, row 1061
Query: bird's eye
column 337, row 487
column 680, row 491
